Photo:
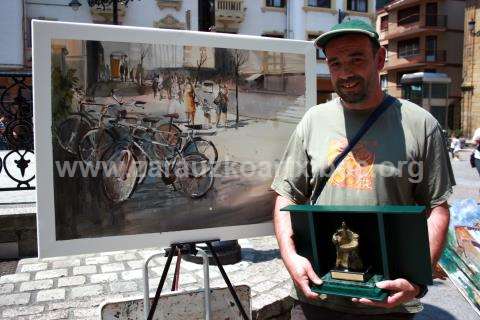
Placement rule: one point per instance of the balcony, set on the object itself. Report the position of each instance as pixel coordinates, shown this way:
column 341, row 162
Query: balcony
column 229, row 13
column 415, row 58
column 413, row 24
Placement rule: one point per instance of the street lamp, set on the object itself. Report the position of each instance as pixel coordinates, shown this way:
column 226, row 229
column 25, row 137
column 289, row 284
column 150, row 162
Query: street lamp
column 471, row 26
column 75, row 5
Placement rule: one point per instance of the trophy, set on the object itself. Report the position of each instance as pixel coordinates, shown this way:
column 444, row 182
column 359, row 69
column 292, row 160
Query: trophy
column 348, row 265
column 352, row 248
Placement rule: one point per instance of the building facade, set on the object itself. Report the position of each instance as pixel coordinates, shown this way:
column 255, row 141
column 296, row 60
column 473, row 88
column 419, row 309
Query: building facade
column 424, row 36
column 471, row 69
column 293, row 19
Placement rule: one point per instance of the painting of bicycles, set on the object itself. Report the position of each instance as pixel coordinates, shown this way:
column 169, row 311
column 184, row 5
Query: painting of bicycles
column 180, row 136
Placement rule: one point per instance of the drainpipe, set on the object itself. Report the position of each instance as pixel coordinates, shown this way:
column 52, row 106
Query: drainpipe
column 287, row 31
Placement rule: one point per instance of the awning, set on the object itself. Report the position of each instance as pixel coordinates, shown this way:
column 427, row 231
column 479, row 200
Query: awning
column 254, row 77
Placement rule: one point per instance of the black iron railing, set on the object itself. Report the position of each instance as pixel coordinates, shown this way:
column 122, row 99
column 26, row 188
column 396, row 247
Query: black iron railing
column 16, row 131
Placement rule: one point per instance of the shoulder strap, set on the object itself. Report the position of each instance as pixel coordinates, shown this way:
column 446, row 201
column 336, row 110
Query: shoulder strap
column 351, row 144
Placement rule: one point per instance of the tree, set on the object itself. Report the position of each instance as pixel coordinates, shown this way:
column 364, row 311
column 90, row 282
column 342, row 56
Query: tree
column 145, row 52
column 200, row 62
column 239, row 58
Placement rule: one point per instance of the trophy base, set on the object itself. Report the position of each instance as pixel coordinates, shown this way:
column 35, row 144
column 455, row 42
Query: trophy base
column 351, row 275
column 352, row 289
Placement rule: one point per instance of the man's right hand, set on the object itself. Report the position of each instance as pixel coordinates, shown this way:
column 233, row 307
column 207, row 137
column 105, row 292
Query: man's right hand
column 302, row 273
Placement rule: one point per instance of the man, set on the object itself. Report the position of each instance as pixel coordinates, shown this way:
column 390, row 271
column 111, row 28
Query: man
column 403, row 137
column 476, row 153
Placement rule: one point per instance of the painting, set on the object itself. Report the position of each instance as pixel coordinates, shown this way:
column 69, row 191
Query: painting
column 147, row 136
column 461, row 258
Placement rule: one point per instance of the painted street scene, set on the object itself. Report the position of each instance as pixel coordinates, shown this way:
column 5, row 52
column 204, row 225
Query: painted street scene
column 156, row 111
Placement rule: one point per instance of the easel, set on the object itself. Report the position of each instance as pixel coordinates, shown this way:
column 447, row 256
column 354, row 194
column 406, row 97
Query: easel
column 186, row 248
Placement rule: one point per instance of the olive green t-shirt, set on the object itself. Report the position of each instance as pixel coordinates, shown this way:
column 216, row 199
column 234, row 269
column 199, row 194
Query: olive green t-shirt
column 401, row 160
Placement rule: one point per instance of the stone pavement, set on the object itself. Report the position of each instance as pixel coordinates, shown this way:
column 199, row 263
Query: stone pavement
column 73, row 287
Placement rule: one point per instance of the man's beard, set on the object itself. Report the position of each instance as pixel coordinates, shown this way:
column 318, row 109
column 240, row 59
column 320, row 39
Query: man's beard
column 355, row 95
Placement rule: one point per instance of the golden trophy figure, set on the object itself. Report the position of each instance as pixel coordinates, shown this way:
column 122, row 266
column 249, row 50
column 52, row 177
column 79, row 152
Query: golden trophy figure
column 348, row 265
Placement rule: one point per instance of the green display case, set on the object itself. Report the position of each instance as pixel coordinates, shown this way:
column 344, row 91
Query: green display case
column 393, row 242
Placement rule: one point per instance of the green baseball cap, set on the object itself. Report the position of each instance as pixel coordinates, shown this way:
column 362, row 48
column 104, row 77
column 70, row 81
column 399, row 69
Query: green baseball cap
column 346, row 27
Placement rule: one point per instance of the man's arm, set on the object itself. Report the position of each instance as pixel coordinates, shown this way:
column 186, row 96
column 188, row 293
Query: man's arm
column 437, row 230
column 299, row 267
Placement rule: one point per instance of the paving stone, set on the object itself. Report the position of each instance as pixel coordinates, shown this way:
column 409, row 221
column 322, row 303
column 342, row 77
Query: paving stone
column 14, row 278
column 112, row 267
column 6, row 288
column 186, row 278
column 125, row 257
column 213, row 273
column 36, row 285
column 264, row 286
column 50, row 274
column 97, row 260
column 34, row 267
column 103, row 277
column 49, row 295
column 86, row 312
column 14, row 299
column 190, row 266
column 137, row 264
column 87, row 291
column 50, row 315
column 110, row 253
column 85, row 270
column 147, row 253
column 71, row 281
column 65, row 263
column 132, row 274
column 22, row 311
column 82, row 303
column 126, row 286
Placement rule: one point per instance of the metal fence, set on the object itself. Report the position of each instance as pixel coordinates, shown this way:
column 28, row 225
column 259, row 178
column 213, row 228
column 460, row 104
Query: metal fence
column 16, row 131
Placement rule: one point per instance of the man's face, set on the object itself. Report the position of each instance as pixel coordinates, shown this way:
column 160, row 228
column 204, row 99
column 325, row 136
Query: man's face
column 353, row 67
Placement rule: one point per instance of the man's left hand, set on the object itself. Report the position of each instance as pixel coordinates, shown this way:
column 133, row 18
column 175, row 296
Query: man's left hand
column 401, row 291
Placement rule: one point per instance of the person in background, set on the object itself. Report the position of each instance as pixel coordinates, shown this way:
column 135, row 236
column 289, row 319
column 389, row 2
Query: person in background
column 455, row 146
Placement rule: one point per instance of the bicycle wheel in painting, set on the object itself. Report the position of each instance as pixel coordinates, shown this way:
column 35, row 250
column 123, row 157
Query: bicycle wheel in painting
column 120, row 173
column 194, row 175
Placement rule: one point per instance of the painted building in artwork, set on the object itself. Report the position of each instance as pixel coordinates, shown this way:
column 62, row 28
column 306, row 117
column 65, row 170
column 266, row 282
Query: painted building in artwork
column 293, row 19
column 424, row 36
column 471, row 69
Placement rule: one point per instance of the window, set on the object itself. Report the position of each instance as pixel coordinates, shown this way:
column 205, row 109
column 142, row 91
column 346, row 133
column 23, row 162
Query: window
column 408, row 15
column 320, row 53
column 319, row 3
column 407, row 48
column 274, row 35
column 275, row 3
column 357, row 5
column 384, row 23
column 386, row 52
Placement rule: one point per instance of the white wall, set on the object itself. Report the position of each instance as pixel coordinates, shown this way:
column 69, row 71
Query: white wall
column 257, row 22
column 60, row 13
column 144, row 13
column 11, row 32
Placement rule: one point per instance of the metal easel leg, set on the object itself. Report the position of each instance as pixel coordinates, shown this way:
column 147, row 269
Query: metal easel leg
column 227, row 281
column 151, row 312
column 206, row 284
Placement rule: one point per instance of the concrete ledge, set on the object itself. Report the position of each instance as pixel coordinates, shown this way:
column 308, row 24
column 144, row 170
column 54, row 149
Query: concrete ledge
column 18, row 230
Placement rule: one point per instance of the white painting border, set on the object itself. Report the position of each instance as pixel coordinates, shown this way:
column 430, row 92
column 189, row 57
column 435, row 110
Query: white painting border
column 43, row 33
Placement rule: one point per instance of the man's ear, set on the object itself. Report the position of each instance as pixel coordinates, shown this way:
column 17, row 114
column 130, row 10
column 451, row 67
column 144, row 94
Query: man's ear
column 380, row 58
